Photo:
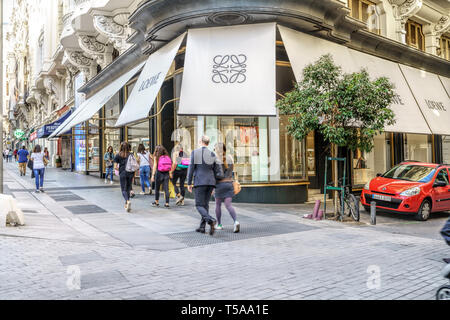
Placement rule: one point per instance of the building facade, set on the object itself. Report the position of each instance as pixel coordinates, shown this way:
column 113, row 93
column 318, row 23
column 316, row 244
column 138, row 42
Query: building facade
column 83, row 48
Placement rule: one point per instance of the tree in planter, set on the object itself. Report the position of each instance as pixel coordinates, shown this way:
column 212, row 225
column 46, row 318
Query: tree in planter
column 348, row 109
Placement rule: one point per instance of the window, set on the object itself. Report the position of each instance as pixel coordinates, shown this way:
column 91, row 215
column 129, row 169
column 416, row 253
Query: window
column 414, row 35
column 442, row 176
column 365, row 11
column 445, row 47
column 418, row 147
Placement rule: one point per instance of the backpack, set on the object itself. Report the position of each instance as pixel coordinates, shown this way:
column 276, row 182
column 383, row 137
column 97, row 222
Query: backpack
column 132, row 165
column 184, row 163
column 164, row 164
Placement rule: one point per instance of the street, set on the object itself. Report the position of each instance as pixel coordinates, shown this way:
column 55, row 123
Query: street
column 79, row 243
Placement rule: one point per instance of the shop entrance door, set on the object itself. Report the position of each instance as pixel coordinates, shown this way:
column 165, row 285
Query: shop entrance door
column 321, row 151
column 167, row 121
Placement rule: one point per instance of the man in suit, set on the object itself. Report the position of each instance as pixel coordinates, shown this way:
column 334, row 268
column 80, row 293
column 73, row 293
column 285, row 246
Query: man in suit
column 202, row 173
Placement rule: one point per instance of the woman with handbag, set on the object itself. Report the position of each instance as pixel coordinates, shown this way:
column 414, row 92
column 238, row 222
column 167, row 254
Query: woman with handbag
column 126, row 177
column 179, row 169
column 39, row 164
column 145, row 163
column 225, row 190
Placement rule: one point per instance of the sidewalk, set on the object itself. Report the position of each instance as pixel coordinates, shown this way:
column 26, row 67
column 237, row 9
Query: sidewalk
column 79, row 223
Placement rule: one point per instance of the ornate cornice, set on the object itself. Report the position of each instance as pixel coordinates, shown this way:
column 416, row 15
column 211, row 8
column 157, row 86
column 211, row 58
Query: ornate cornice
column 442, row 26
column 406, row 9
column 116, row 33
column 100, row 52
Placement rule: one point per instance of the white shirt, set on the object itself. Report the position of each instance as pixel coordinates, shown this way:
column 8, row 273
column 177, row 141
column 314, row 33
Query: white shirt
column 38, row 160
column 144, row 159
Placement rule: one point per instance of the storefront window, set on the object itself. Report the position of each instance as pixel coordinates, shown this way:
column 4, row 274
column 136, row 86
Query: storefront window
column 112, row 134
column 310, row 154
column 138, row 134
column 446, row 149
column 418, row 147
column 93, row 145
column 366, row 165
column 291, row 154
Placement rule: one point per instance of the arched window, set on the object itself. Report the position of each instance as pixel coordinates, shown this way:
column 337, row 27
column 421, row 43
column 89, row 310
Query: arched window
column 365, row 11
column 414, row 35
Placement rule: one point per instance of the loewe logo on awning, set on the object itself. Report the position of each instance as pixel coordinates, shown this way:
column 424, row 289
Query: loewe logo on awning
column 230, row 68
column 397, row 100
column 149, row 82
column 435, row 105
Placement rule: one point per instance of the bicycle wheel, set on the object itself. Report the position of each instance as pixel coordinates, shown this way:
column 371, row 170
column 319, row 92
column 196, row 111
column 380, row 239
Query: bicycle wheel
column 353, row 207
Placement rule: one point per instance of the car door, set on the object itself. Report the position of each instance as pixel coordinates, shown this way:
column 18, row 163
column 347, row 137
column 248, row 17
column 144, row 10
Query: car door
column 442, row 194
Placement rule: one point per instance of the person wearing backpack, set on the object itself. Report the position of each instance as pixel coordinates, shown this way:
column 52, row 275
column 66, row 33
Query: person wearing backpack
column 145, row 163
column 180, row 165
column 109, row 160
column 160, row 174
column 125, row 163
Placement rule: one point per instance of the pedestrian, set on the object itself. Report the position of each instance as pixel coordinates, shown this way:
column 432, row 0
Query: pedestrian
column 224, row 192
column 145, row 166
column 162, row 164
column 179, row 172
column 23, row 159
column 10, row 155
column 109, row 162
column 204, row 167
column 15, row 154
column 46, row 154
column 126, row 177
column 39, row 163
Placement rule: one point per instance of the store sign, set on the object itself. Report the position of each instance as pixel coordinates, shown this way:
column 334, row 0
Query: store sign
column 230, row 71
column 19, row 133
column 150, row 81
column 33, row 136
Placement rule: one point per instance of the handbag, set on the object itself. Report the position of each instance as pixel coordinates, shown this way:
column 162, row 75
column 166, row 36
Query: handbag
column 236, row 185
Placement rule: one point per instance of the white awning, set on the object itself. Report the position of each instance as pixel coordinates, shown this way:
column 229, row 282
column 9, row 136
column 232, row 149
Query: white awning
column 431, row 97
column 230, row 71
column 446, row 82
column 409, row 118
column 304, row 49
column 149, row 83
column 89, row 107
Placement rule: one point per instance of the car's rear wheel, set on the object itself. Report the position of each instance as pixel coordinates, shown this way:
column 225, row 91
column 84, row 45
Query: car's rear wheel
column 424, row 211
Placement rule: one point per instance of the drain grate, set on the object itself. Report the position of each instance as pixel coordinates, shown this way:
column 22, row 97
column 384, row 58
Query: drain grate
column 255, row 230
column 84, row 209
column 67, row 197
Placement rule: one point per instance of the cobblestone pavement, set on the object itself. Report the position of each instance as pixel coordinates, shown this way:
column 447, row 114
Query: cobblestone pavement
column 78, row 243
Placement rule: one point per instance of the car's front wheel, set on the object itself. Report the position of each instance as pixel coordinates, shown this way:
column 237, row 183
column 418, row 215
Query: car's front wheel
column 424, row 211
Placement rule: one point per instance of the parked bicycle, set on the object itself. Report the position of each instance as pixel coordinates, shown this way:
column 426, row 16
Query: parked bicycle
column 351, row 205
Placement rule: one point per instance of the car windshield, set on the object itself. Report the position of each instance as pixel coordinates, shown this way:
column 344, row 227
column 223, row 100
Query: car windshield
column 410, row 172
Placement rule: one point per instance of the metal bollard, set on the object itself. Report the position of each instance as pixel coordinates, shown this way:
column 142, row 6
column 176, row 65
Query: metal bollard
column 373, row 213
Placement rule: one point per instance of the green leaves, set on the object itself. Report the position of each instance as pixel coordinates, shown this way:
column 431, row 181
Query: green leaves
column 348, row 109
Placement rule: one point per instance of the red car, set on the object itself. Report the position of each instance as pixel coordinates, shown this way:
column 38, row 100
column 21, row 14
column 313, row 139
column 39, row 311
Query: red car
column 410, row 187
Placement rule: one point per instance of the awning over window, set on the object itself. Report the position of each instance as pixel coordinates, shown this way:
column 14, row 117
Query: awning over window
column 304, row 49
column 446, row 82
column 48, row 129
column 88, row 108
column 230, row 71
column 431, row 97
column 149, row 83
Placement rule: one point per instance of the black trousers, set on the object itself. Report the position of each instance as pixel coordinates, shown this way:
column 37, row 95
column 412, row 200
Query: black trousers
column 179, row 174
column 162, row 178
column 126, row 179
column 202, row 196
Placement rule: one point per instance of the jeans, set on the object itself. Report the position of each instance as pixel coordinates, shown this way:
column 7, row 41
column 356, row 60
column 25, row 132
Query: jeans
column 126, row 179
column 179, row 174
column 39, row 177
column 109, row 171
column 144, row 173
column 162, row 178
column 202, row 197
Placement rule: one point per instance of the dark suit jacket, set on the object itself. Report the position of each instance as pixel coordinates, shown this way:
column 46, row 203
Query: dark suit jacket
column 204, row 168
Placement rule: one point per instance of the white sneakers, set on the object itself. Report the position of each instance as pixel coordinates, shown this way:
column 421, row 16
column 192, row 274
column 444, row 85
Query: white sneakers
column 218, row 227
column 128, row 206
column 237, row 226
column 111, row 182
column 106, row 181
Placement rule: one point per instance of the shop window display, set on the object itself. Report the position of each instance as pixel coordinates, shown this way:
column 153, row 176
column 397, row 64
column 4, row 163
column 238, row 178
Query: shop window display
column 446, row 149
column 418, row 147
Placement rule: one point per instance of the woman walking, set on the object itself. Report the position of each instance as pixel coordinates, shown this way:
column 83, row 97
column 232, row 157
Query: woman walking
column 145, row 163
column 160, row 173
column 224, row 188
column 126, row 177
column 109, row 161
column 179, row 172
column 39, row 163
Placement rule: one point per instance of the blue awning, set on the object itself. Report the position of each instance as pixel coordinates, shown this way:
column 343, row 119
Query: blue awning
column 48, row 129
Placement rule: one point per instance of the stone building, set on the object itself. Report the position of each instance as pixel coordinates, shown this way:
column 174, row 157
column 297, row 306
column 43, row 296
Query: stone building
column 68, row 57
